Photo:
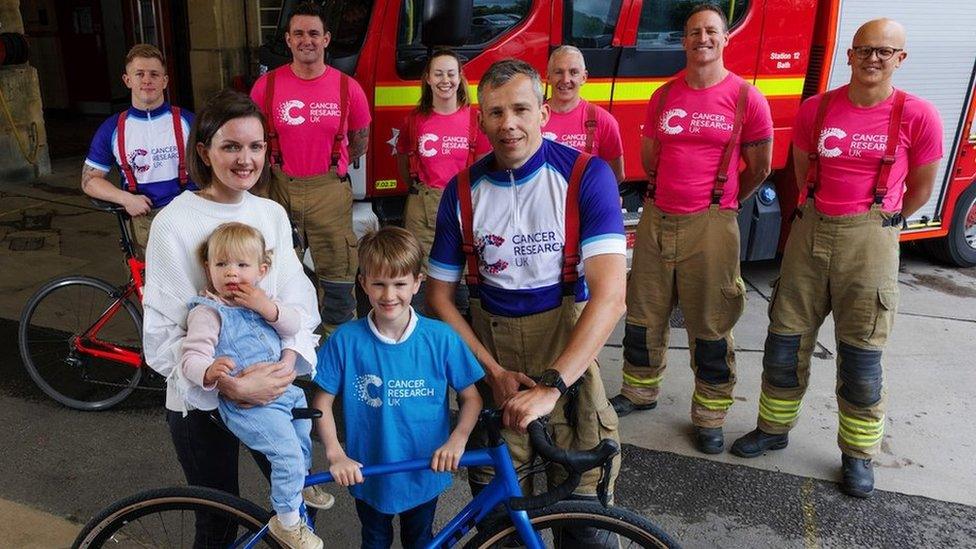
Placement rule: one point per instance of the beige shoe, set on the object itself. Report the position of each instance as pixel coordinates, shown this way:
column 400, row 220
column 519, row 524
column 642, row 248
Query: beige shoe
column 317, row 497
column 296, row 537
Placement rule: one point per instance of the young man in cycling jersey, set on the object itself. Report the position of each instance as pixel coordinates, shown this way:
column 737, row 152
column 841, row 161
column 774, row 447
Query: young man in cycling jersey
column 538, row 226
column 147, row 142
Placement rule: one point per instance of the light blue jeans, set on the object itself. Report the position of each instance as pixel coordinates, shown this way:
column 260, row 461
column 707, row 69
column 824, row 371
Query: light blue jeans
column 286, row 442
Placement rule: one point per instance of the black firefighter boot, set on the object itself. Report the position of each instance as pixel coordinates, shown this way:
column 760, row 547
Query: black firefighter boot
column 623, row 405
column 857, row 476
column 755, row 442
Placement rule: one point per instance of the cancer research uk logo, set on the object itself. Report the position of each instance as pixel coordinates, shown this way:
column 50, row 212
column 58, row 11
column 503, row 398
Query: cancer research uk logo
column 859, row 144
column 293, row 111
column 666, row 126
column 139, row 160
column 487, row 242
column 371, row 390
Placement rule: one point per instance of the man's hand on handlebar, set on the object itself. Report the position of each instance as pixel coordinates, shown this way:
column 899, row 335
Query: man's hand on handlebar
column 525, row 406
column 505, row 384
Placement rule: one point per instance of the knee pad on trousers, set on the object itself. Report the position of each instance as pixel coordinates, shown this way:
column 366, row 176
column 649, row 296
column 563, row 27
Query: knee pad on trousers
column 780, row 359
column 860, row 374
column 635, row 345
column 710, row 358
column 338, row 302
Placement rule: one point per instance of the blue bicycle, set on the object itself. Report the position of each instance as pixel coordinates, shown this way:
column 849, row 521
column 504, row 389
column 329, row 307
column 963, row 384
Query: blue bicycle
column 167, row 517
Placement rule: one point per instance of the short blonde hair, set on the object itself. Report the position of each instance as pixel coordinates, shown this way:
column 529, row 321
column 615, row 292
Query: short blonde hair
column 232, row 239
column 390, row 251
column 146, row 51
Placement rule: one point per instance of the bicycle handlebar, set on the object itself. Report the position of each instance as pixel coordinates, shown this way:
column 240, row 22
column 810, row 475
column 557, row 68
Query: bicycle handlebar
column 576, row 462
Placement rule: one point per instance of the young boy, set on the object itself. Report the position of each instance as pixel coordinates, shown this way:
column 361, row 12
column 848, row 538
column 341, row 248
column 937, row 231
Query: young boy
column 394, row 368
column 233, row 326
column 147, row 142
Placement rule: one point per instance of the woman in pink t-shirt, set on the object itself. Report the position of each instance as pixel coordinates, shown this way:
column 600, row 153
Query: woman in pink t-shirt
column 439, row 138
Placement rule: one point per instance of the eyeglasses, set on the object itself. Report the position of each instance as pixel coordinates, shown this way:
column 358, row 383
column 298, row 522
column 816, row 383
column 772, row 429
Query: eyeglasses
column 884, row 52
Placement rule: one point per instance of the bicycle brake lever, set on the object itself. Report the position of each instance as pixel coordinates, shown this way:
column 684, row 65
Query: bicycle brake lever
column 604, row 484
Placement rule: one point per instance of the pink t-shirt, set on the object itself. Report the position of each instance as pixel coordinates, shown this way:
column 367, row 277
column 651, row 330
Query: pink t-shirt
column 306, row 115
column 569, row 129
column 693, row 129
column 852, row 142
column 441, row 144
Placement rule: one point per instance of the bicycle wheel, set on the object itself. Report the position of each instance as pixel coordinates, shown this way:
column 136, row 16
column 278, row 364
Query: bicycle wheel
column 609, row 527
column 53, row 320
column 167, row 518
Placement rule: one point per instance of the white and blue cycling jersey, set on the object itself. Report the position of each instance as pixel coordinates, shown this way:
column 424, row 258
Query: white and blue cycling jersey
column 151, row 146
column 519, row 229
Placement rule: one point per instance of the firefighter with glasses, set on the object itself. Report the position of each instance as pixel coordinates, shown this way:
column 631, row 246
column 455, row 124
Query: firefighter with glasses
column 866, row 156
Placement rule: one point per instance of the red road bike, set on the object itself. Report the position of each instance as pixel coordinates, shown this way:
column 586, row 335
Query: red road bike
column 80, row 337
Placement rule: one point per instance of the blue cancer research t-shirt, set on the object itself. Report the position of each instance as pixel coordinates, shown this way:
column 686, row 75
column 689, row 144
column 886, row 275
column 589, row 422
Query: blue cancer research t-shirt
column 395, row 401
column 519, row 229
column 151, row 147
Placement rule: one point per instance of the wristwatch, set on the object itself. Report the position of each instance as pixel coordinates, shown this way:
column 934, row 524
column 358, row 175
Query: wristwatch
column 552, row 378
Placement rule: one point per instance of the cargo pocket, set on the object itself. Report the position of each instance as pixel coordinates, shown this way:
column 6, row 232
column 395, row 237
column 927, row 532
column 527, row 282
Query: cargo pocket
column 352, row 255
column 734, row 303
column 884, row 317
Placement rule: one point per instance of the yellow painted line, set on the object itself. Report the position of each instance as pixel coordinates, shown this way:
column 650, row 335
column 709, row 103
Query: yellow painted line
column 809, row 516
column 640, row 90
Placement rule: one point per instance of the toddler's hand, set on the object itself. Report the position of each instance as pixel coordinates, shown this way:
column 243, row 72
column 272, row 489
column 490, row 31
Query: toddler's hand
column 255, row 299
column 220, row 367
column 448, row 456
column 346, row 471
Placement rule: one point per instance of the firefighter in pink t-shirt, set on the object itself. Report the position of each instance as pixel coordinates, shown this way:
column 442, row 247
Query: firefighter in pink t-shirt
column 318, row 122
column 698, row 127
column 575, row 122
column 866, row 156
column 439, row 138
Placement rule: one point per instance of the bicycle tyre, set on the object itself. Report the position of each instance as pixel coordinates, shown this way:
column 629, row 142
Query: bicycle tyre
column 133, row 521
column 62, row 309
column 626, row 524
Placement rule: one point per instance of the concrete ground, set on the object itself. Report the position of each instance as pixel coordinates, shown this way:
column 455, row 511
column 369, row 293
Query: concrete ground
column 786, row 498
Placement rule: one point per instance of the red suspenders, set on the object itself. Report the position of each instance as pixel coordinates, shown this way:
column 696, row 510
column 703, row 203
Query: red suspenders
column 659, row 109
column 472, row 133
column 273, row 141
column 571, row 251
column 589, row 124
column 130, row 177
column 891, row 146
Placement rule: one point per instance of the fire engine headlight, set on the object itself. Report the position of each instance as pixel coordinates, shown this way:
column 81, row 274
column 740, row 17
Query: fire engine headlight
column 767, row 195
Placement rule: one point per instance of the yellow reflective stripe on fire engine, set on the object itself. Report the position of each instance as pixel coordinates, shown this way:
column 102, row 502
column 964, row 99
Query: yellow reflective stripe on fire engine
column 635, row 381
column 859, row 432
column 773, row 410
column 719, row 404
column 595, row 91
column 775, row 87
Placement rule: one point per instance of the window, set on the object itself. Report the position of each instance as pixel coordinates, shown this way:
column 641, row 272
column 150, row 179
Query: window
column 590, row 23
column 268, row 13
column 489, row 20
column 662, row 22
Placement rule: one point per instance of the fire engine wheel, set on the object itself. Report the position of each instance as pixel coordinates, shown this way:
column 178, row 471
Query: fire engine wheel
column 959, row 246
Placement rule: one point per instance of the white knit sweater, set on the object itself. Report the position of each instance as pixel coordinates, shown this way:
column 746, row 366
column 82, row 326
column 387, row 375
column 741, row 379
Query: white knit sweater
column 174, row 275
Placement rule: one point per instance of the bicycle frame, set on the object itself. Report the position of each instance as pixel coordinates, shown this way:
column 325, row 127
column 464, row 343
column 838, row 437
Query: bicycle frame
column 89, row 344
column 503, row 486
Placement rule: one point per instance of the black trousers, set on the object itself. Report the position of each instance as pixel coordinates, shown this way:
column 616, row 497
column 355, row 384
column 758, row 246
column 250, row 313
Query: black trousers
column 208, row 453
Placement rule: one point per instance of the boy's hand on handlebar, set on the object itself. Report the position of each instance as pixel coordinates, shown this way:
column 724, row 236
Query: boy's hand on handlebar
column 526, row 406
column 346, row 471
column 448, row 456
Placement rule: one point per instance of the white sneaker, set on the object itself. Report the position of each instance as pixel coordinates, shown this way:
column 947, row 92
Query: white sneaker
column 317, row 497
column 298, row 536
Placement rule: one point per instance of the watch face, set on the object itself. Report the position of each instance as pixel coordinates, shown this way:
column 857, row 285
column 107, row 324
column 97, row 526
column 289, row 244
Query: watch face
column 550, row 378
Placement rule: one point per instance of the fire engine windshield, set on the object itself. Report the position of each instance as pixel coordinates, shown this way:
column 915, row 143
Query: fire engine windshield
column 662, row 23
column 348, row 20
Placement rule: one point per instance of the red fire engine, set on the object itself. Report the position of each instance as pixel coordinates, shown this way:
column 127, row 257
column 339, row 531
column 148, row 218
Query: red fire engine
column 789, row 50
